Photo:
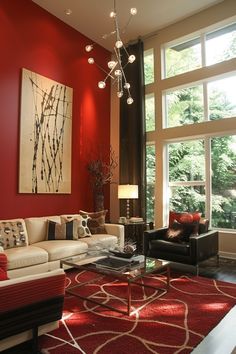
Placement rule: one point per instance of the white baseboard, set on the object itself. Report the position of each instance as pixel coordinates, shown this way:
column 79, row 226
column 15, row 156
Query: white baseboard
column 227, row 255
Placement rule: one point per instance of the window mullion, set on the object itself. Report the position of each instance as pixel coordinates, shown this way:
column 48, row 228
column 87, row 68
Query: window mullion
column 208, row 178
column 203, row 51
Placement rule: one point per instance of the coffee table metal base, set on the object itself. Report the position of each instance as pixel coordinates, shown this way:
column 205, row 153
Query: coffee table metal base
column 71, row 290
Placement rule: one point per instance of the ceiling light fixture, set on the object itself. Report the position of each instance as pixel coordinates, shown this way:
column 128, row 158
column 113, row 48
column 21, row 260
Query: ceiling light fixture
column 68, row 12
column 116, row 69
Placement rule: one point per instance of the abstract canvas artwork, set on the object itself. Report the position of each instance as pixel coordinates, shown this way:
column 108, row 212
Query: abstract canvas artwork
column 45, row 135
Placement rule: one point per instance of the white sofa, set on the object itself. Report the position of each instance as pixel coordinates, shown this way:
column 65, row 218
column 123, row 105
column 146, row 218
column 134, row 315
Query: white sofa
column 40, row 258
column 40, row 255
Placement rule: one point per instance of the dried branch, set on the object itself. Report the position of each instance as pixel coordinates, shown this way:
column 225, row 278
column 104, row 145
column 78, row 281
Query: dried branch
column 102, row 172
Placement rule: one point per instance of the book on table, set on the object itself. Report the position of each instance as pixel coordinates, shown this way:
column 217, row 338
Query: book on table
column 112, row 263
column 136, row 258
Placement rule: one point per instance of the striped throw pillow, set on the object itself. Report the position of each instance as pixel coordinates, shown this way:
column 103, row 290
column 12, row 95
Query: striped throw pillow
column 65, row 231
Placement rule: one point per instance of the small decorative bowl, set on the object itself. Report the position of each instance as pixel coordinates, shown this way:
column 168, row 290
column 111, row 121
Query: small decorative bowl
column 122, row 254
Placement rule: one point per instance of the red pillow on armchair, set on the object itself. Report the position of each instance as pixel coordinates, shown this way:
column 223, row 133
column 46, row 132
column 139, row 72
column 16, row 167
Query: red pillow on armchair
column 3, row 267
column 184, row 217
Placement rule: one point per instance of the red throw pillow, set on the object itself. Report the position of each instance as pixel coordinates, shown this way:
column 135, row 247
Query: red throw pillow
column 183, row 217
column 3, row 267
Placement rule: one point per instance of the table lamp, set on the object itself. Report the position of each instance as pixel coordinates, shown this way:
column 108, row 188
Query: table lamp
column 127, row 191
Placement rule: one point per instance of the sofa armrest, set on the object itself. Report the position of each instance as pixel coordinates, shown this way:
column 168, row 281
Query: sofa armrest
column 30, row 289
column 31, row 301
column 118, row 231
column 204, row 245
column 150, row 235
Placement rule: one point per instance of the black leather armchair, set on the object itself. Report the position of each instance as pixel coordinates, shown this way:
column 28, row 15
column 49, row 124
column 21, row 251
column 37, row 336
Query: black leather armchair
column 199, row 248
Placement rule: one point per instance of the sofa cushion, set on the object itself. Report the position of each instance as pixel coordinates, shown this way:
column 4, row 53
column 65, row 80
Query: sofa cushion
column 82, row 229
column 13, row 233
column 25, row 257
column 59, row 249
column 37, row 227
column 96, row 222
column 65, row 231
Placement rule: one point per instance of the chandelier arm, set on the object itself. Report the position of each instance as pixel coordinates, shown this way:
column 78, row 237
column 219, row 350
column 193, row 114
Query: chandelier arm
column 126, row 25
column 105, row 36
column 120, row 64
column 126, row 51
column 116, row 69
column 107, row 73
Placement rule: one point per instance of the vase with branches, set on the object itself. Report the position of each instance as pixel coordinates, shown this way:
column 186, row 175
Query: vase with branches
column 101, row 173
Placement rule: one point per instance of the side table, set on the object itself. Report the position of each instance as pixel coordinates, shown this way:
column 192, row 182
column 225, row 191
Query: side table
column 134, row 233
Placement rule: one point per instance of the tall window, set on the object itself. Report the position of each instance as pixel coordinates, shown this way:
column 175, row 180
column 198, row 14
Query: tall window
column 188, row 162
column 148, row 66
column 221, row 44
column 199, row 170
column 222, row 98
column 188, row 55
column 149, row 126
column 150, row 182
column 187, row 176
column 150, row 112
column 184, row 106
column 187, row 106
column 223, row 162
column 175, row 57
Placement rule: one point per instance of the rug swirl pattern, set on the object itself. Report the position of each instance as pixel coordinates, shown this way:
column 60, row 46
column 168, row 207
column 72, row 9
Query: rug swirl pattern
column 172, row 323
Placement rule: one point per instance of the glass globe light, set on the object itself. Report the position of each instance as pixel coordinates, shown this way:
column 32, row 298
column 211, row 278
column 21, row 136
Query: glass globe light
column 119, row 94
column 133, row 11
column 101, row 84
column 89, row 47
column 119, row 44
column 111, row 64
column 112, row 14
column 131, row 58
column 130, row 100
column 90, row 60
column 127, row 85
column 68, row 12
column 118, row 72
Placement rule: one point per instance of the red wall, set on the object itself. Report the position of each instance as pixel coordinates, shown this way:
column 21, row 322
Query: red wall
column 33, row 39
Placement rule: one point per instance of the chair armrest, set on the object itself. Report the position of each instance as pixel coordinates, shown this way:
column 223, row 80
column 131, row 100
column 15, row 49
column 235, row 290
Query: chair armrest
column 118, row 231
column 204, row 245
column 150, row 235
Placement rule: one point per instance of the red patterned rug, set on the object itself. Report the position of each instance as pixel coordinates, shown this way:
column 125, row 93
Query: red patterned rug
column 173, row 323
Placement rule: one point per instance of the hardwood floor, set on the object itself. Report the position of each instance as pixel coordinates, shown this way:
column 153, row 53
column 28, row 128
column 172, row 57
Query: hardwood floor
column 226, row 270
column 222, row 339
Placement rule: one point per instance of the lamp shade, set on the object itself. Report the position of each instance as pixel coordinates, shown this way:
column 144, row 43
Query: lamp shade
column 128, row 191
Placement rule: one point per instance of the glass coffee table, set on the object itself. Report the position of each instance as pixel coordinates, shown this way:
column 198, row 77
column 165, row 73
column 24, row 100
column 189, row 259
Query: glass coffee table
column 129, row 271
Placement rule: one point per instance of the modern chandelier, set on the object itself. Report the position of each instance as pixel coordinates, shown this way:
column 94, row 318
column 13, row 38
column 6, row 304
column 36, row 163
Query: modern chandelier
column 115, row 68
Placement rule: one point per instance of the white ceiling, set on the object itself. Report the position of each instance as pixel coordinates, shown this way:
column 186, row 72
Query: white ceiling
column 91, row 17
